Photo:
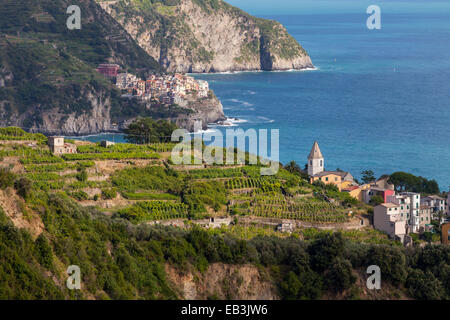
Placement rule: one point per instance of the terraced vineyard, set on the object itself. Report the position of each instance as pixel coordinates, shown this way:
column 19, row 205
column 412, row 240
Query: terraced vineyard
column 277, row 206
column 154, row 210
column 156, row 192
column 244, row 183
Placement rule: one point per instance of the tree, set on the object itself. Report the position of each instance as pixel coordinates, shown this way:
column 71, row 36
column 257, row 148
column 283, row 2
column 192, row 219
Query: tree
column 376, row 200
column 424, row 285
column 340, row 276
column 147, row 130
column 404, row 181
column 324, row 250
column 44, row 251
column 367, row 176
column 293, row 167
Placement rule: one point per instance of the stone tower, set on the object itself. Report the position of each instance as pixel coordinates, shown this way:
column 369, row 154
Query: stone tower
column 315, row 160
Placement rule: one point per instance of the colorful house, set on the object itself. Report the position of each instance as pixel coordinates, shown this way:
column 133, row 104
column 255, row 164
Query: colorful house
column 316, row 163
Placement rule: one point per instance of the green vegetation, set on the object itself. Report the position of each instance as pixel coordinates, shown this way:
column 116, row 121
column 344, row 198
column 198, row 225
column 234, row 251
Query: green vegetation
column 14, row 133
column 52, row 66
column 408, row 182
column 147, row 130
column 149, row 178
column 110, row 156
column 154, row 210
column 123, row 256
column 150, row 196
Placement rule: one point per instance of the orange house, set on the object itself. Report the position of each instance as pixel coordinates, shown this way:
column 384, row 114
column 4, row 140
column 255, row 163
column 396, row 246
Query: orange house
column 333, row 177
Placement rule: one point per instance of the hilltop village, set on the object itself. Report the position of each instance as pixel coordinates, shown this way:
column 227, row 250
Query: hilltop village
column 399, row 214
column 162, row 89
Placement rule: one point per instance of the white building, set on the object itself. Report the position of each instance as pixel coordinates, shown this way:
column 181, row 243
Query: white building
column 203, row 88
column 414, row 214
column 58, row 146
column 387, row 217
column 315, row 160
column 435, row 202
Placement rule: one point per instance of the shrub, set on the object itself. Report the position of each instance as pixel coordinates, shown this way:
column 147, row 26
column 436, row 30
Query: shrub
column 6, row 178
column 424, row 285
column 80, row 195
column 82, row 175
column 339, row 276
column 108, row 194
column 23, row 187
column 44, row 252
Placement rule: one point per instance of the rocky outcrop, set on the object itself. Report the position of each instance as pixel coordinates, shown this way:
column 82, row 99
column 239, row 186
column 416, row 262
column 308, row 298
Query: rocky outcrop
column 223, row 281
column 208, row 36
column 205, row 110
column 97, row 119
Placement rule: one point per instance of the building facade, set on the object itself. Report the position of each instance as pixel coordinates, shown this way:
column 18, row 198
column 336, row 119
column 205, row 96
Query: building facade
column 391, row 218
column 58, row 146
column 315, row 160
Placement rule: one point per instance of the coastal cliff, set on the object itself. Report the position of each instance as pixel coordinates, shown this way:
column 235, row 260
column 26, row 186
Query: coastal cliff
column 207, row 36
column 48, row 77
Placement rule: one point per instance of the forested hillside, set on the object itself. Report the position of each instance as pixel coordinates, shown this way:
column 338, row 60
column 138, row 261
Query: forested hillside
column 48, row 77
column 109, row 211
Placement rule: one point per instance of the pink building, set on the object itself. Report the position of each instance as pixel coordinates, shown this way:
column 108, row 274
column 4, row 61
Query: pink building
column 108, row 70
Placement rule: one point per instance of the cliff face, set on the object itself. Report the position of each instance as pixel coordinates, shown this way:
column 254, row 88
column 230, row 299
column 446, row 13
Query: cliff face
column 48, row 81
column 207, row 36
column 223, row 281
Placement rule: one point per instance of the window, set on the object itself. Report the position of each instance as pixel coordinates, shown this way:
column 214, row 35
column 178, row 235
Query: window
column 402, row 207
column 335, row 179
column 321, row 163
column 310, row 162
column 326, row 178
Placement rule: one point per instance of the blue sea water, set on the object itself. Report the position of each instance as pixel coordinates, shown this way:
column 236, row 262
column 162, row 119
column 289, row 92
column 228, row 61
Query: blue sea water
column 379, row 100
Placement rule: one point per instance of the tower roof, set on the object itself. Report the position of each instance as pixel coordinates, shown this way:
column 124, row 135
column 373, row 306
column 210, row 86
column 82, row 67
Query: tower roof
column 315, row 152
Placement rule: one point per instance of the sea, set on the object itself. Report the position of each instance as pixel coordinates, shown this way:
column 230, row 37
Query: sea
column 377, row 100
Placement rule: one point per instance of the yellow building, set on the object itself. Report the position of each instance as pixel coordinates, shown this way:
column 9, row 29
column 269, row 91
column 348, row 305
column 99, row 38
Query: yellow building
column 341, row 179
column 316, row 164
